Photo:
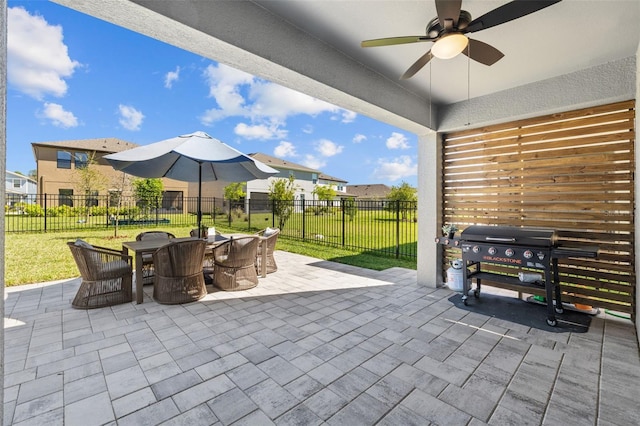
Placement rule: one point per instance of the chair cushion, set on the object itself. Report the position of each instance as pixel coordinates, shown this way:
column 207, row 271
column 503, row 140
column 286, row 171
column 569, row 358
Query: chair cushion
column 82, row 243
column 268, row 232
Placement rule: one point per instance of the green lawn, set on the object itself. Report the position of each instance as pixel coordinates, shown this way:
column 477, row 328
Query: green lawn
column 39, row 257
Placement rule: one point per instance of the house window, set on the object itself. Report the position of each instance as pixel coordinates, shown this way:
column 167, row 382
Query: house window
column 64, row 160
column 17, row 183
column 65, row 197
column 81, row 159
column 314, row 178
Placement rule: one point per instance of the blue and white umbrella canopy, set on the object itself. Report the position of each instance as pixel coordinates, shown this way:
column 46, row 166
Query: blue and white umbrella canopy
column 190, row 158
column 196, row 157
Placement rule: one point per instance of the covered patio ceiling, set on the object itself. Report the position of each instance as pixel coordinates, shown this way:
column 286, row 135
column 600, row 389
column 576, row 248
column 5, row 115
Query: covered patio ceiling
column 314, row 47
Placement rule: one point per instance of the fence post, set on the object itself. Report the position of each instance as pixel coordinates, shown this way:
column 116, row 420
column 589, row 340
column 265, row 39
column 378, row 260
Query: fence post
column 398, row 229
column 45, row 212
column 343, row 222
column 249, row 213
column 273, row 214
column 304, row 217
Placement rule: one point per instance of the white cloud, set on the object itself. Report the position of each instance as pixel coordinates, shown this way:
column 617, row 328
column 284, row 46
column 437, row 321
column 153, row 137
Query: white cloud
column 395, row 169
column 238, row 94
column 272, row 100
column 130, row 118
column 308, row 129
column 170, row 77
column 313, row 162
column 348, row 116
column 359, row 138
column 37, row 58
column 224, row 86
column 58, row 116
column 397, row 141
column 285, row 149
column 326, row 148
column 260, row 131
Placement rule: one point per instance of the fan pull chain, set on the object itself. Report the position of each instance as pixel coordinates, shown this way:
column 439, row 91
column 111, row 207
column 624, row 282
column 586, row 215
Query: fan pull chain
column 468, row 84
column 430, row 99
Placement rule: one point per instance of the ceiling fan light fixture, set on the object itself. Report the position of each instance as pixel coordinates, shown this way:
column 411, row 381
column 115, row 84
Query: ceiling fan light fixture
column 450, row 46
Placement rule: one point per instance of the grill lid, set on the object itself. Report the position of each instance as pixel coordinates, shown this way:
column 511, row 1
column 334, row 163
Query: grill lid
column 516, row 236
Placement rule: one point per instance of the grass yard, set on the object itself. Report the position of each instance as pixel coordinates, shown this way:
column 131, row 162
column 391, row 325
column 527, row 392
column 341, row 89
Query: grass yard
column 40, row 257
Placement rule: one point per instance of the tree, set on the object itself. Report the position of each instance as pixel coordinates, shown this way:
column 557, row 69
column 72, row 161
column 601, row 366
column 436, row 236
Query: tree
column 89, row 181
column 325, row 194
column 120, row 185
column 234, row 192
column 33, row 174
column 281, row 194
column 402, row 198
column 148, row 192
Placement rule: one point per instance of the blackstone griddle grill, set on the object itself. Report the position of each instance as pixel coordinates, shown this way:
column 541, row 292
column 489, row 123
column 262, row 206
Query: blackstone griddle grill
column 527, row 248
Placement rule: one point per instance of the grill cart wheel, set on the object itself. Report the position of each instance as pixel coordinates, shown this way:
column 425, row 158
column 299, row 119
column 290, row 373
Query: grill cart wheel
column 559, row 310
column 552, row 323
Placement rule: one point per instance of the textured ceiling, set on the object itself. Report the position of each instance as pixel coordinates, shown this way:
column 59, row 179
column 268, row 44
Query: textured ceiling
column 562, row 38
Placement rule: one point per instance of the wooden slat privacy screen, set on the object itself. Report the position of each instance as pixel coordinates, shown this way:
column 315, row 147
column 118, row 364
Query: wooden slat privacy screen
column 573, row 172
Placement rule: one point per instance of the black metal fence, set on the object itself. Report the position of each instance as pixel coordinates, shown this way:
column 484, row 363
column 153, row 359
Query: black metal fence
column 382, row 226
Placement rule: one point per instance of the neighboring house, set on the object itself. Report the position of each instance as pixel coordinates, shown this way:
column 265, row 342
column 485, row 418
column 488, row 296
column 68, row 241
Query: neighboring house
column 375, row 191
column 340, row 185
column 56, row 163
column 306, row 180
column 19, row 189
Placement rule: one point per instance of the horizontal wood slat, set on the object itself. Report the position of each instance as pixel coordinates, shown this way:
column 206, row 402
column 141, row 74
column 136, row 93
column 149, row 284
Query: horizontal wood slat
column 570, row 171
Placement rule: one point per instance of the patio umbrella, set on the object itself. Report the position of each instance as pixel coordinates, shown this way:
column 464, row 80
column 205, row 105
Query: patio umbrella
column 195, row 157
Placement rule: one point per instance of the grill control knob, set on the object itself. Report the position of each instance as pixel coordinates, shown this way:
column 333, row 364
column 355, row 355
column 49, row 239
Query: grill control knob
column 492, row 251
column 509, row 252
column 541, row 256
column 528, row 254
column 476, row 249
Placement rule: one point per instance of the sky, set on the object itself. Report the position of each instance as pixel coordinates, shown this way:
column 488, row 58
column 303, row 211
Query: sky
column 72, row 76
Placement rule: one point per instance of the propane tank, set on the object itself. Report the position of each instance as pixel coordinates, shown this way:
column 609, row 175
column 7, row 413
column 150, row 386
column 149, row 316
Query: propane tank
column 455, row 278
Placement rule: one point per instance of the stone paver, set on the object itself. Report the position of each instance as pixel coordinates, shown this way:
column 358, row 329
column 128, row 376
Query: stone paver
column 314, row 343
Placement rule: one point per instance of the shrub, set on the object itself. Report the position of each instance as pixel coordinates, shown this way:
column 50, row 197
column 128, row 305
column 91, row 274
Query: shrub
column 34, row 210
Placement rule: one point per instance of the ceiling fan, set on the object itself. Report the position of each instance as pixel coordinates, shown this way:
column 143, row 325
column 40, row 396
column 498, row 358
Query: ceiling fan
column 448, row 30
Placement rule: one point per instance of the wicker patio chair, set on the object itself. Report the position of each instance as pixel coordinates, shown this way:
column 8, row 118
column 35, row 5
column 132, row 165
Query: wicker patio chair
column 107, row 276
column 178, row 272
column 147, row 258
column 268, row 243
column 235, row 264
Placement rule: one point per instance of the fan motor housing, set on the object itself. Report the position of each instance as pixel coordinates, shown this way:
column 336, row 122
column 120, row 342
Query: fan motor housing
column 435, row 29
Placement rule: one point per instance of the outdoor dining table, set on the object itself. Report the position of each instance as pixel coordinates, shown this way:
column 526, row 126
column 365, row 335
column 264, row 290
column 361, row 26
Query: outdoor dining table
column 151, row 245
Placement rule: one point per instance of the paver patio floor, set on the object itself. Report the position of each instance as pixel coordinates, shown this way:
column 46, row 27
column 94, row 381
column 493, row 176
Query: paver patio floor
column 315, row 343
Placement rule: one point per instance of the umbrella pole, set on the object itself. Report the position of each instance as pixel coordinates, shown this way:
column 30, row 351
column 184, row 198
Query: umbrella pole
column 199, row 200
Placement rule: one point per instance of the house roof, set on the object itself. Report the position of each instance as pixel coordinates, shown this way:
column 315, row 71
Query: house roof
column 375, row 190
column 331, row 178
column 279, row 163
column 108, row 145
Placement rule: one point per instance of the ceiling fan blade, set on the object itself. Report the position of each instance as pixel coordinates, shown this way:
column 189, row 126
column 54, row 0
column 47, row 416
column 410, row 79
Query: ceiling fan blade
column 482, row 52
column 417, row 65
column 508, row 12
column 448, row 9
column 394, row 40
